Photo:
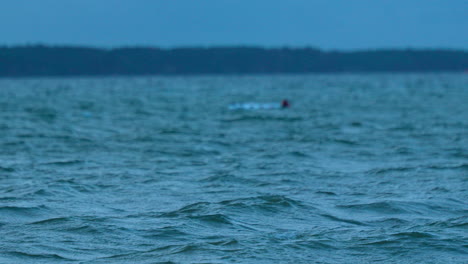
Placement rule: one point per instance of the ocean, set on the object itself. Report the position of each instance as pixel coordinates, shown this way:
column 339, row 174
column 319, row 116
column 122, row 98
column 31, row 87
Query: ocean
column 361, row 168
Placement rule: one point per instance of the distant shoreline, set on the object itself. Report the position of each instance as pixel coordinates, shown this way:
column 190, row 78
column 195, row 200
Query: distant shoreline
column 70, row 61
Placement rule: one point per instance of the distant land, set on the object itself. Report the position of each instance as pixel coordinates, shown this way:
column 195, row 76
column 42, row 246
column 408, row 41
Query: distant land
column 40, row 60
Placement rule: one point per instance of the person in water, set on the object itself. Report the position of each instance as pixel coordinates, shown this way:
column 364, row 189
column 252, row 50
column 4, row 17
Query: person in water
column 285, row 104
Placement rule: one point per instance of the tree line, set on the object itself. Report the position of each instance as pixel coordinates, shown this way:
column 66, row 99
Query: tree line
column 39, row 60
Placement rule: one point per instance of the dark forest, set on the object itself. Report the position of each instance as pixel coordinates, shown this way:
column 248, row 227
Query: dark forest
column 39, row 60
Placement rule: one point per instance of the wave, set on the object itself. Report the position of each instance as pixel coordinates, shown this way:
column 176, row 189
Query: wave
column 326, row 193
column 345, row 142
column 261, row 118
column 223, row 178
column 152, row 253
column 167, row 232
column 22, row 211
column 462, row 166
column 268, row 203
column 223, row 241
column 413, row 234
column 37, row 257
column 195, row 208
column 217, row 212
column 212, row 219
column 64, row 162
column 42, row 113
column 457, row 222
column 387, row 207
column 6, row 169
column 378, row 171
column 343, row 220
column 52, row 221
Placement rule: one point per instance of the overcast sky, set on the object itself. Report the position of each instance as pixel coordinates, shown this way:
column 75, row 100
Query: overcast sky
column 327, row 24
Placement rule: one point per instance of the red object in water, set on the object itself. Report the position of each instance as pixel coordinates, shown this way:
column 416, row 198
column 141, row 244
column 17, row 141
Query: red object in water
column 285, row 104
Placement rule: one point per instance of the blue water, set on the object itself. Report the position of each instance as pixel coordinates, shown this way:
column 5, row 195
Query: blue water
column 360, row 169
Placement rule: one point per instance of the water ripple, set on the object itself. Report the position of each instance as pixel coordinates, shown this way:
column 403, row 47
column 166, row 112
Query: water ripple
column 361, row 169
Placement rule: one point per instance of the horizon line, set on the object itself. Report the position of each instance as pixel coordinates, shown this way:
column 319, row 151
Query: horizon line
column 202, row 46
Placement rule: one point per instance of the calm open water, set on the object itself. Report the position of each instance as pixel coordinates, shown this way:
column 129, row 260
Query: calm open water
column 361, row 169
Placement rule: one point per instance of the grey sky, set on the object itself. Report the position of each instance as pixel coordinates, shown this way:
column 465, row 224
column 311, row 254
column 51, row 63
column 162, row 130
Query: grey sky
column 328, row 24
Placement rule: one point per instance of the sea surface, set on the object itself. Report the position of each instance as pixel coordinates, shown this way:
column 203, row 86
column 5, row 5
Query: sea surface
column 369, row 168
